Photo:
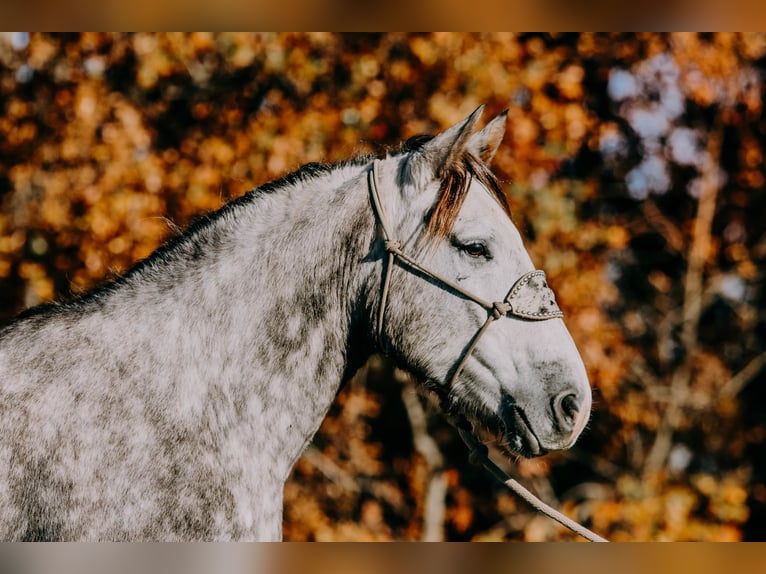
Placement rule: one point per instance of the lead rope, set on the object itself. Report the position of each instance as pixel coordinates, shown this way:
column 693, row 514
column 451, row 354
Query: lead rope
column 478, row 452
column 480, row 455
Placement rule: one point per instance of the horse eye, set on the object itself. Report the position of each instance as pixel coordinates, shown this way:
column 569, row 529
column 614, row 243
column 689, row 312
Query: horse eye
column 476, row 250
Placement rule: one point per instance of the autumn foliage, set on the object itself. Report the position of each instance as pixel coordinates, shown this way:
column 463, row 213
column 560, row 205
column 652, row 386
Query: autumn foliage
column 635, row 168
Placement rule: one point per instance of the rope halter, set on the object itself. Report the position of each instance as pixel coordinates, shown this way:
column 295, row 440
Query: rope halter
column 529, row 298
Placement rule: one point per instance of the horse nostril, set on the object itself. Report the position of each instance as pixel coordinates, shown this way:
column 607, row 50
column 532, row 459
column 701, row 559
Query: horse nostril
column 569, row 406
column 566, row 407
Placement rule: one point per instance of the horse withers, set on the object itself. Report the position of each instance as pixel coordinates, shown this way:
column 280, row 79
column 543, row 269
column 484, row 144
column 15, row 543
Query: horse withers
column 172, row 403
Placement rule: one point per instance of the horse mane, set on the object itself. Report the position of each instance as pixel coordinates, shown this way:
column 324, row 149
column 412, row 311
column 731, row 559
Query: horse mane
column 308, row 172
column 454, row 188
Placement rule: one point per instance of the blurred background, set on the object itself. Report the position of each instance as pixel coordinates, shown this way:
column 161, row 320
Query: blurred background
column 634, row 165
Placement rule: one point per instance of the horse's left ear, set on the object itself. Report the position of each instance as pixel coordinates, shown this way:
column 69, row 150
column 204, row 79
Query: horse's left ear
column 438, row 154
column 484, row 144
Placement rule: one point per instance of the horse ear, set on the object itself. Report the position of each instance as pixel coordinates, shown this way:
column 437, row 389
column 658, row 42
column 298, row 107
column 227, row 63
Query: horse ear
column 441, row 152
column 484, row 144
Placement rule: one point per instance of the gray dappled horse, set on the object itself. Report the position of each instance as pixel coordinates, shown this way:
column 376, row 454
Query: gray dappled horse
column 172, row 403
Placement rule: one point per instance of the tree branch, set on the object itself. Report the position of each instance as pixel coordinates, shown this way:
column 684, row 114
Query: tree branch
column 436, row 488
column 739, row 381
column 692, row 305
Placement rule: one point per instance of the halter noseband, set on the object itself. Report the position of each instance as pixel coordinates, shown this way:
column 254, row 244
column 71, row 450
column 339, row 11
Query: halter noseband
column 529, row 298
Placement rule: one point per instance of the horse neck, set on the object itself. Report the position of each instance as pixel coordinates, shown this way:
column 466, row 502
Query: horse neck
column 310, row 281
column 274, row 302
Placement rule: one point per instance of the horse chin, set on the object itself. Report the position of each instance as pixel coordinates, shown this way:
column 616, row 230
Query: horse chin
column 509, row 427
column 512, row 432
column 518, row 436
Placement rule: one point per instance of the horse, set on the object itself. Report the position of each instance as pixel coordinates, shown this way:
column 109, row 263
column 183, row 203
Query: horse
column 172, row 402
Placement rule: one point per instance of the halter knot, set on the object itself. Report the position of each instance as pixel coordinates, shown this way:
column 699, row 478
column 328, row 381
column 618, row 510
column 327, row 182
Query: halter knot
column 500, row 309
column 392, row 246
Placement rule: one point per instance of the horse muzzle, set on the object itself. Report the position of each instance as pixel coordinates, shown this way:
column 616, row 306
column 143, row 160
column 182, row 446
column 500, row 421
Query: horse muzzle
column 530, row 434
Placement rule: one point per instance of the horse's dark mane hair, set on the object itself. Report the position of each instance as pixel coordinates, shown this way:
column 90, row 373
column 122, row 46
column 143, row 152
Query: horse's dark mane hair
column 454, row 188
column 310, row 171
column 192, row 240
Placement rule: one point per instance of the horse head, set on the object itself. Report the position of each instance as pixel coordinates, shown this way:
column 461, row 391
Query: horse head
column 461, row 305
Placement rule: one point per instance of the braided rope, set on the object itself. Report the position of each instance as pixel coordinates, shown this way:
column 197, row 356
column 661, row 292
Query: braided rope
column 480, row 455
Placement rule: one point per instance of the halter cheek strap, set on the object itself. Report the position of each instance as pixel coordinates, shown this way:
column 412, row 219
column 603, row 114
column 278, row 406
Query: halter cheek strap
column 529, row 298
